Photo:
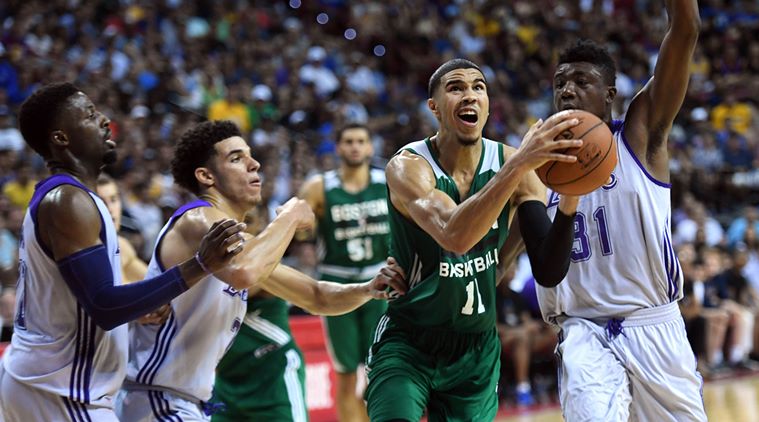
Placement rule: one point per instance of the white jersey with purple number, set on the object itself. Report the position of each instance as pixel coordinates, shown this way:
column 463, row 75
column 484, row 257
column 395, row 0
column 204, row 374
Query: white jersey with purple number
column 181, row 354
column 56, row 346
column 622, row 258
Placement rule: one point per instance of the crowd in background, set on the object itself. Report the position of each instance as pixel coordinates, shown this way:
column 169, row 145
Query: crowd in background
column 290, row 72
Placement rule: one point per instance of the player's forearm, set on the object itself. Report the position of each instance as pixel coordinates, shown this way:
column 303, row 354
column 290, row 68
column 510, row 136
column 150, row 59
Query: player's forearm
column 548, row 244
column 261, row 254
column 336, row 299
column 684, row 17
column 473, row 218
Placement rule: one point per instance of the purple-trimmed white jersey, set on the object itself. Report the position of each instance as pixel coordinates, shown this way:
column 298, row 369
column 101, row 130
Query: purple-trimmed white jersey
column 56, row 346
column 622, row 258
column 181, row 354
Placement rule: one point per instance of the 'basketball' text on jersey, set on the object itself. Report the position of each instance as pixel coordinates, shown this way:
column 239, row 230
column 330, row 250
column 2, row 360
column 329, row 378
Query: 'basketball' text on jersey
column 471, row 267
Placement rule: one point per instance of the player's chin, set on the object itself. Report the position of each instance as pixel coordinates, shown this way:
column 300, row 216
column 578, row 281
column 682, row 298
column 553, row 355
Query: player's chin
column 110, row 157
column 254, row 199
column 468, row 139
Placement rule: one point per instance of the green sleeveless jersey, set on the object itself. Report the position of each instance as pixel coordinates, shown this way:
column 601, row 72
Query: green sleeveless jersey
column 266, row 329
column 354, row 234
column 249, row 376
column 448, row 291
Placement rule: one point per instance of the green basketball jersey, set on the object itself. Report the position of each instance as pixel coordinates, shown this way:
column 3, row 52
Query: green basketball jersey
column 354, row 234
column 261, row 375
column 266, row 328
column 448, row 291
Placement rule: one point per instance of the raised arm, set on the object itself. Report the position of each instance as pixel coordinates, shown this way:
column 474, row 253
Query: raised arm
column 650, row 116
column 328, row 298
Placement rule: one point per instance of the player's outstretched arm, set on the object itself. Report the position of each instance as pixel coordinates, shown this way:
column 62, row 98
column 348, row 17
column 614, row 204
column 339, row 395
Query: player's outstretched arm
column 260, row 254
column 72, row 236
column 650, row 115
column 548, row 244
column 459, row 227
column 328, row 298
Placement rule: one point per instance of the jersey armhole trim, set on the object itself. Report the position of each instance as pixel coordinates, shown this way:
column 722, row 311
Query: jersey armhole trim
column 177, row 214
column 637, row 161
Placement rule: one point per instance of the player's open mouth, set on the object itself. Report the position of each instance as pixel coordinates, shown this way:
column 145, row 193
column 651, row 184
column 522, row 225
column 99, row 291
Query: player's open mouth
column 469, row 117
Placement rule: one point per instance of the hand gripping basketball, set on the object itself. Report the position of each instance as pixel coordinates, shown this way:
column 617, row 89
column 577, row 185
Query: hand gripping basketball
column 596, row 158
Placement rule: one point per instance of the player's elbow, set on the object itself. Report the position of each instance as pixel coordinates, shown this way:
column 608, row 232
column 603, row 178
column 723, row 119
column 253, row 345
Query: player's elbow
column 241, row 278
column 316, row 305
column 688, row 27
column 456, row 244
column 106, row 322
column 547, row 276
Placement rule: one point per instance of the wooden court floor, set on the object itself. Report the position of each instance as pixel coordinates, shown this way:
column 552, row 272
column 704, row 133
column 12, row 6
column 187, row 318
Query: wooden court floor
column 731, row 400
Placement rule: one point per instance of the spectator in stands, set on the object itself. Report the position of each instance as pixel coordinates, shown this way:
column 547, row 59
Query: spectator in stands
column 706, row 327
column 722, row 291
column 697, row 221
column 736, row 232
column 21, row 188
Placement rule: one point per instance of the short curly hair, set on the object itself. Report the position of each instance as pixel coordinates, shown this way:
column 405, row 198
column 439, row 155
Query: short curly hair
column 446, row 67
column 584, row 50
column 196, row 147
column 39, row 114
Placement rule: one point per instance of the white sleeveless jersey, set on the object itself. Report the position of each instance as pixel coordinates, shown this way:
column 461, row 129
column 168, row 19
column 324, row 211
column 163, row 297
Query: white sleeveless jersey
column 622, row 258
column 181, row 354
column 56, row 346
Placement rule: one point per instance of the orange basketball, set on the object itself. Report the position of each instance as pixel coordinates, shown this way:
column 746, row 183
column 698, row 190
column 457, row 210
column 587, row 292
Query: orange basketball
column 596, row 158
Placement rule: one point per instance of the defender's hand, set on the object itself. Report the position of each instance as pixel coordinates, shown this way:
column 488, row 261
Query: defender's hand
column 223, row 241
column 159, row 316
column 391, row 276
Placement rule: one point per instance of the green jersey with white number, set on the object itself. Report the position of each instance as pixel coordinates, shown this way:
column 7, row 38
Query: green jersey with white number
column 354, row 233
column 448, row 291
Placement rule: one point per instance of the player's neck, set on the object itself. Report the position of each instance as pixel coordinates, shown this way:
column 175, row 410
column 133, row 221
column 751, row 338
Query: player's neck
column 454, row 155
column 236, row 211
column 88, row 177
column 354, row 178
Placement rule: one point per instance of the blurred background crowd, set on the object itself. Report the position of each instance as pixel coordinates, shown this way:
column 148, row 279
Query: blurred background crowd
column 290, row 72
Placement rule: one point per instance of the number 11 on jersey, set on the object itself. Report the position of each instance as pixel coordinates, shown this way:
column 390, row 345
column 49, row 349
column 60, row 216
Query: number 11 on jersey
column 468, row 308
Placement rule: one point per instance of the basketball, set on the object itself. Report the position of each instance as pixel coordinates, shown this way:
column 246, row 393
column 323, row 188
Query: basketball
column 596, row 158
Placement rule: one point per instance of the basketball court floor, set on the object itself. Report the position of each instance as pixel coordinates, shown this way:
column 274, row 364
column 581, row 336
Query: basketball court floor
column 729, row 400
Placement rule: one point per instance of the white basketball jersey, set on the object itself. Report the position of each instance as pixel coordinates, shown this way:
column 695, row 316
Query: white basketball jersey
column 56, row 346
column 181, row 354
column 622, row 258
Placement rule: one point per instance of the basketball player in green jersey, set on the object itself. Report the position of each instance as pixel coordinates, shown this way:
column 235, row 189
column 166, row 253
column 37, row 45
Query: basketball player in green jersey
column 451, row 200
column 353, row 231
column 262, row 376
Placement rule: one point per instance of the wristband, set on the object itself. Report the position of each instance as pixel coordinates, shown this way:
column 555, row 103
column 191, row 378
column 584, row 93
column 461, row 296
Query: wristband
column 202, row 266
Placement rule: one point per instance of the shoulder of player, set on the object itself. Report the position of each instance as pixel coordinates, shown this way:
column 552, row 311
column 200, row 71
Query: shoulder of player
column 407, row 161
column 312, row 191
column 69, row 209
column 195, row 223
column 313, row 188
column 407, row 171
